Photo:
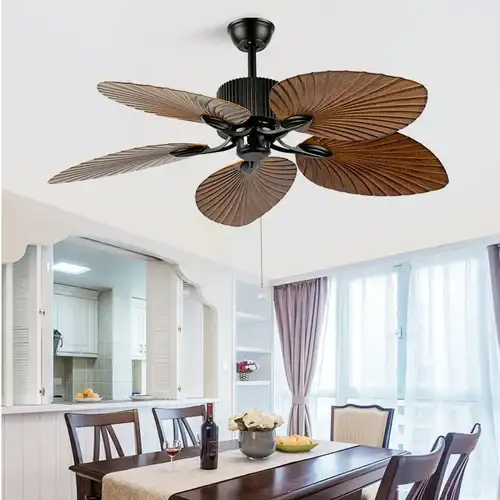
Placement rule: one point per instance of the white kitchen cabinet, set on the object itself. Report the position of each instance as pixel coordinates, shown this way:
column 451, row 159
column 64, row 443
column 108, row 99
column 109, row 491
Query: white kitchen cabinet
column 164, row 294
column 189, row 342
column 75, row 317
column 191, row 348
column 138, row 319
column 27, row 352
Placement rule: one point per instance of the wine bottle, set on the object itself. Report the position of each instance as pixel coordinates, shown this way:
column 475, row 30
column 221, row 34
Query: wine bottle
column 209, row 441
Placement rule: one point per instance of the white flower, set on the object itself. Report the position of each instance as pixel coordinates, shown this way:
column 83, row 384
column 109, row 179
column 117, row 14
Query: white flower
column 251, row 418
column 278, row 419
column 255, row 420
column 266, row 422
column 233, row 426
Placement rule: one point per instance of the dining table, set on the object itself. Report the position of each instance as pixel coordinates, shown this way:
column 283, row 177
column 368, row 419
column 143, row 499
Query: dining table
column 334, row 472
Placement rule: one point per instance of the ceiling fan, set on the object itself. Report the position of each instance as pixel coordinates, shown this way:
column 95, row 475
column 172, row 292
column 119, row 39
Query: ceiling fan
column 353, row 118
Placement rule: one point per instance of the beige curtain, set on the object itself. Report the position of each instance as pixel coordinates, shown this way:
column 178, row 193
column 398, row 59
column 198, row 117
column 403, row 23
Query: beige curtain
column 300, row 308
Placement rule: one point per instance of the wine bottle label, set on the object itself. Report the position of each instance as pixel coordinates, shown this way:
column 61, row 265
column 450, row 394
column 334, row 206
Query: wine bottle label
column 213, row 448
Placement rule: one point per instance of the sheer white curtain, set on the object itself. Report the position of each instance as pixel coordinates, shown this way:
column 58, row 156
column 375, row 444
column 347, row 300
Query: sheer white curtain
column 442, row 373
column 357, row 359
column 453, row 373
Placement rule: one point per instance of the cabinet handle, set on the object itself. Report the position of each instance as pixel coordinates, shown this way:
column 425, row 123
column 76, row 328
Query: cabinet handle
column 62, row 341
column 140, row 347
column 145, row 348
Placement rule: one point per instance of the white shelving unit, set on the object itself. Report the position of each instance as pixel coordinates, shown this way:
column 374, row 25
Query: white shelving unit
column 260, row 350
column 251, row 383
column 254, row 341
column 249, row 318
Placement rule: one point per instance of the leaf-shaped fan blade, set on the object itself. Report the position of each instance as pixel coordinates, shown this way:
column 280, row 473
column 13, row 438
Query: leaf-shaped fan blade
column 239, row 194
column 129, row 160
column 349, row 105
column 392, row 166
column 173, row 103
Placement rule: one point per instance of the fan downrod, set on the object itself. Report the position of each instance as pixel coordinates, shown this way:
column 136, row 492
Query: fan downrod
column 255, row 139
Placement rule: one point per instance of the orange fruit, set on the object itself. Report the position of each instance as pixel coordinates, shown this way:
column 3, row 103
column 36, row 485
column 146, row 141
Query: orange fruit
column 79, row 395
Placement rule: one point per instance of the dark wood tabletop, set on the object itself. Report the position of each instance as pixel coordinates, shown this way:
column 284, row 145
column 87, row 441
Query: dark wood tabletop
column 97, row 470
column 341, row 474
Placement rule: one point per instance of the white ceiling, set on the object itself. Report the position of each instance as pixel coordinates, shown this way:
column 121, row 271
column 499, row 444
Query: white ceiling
column 107, row 268
column 54, row 53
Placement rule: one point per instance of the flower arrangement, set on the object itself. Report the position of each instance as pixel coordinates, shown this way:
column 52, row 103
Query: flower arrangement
column 247, row 366
column 255, row 421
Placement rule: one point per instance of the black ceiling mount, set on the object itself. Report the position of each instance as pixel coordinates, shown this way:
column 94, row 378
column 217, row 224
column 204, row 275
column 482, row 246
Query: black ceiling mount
column 255, row 139
column 251, row 31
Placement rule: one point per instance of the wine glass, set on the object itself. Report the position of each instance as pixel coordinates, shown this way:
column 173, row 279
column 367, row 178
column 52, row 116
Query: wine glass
column 172, row 448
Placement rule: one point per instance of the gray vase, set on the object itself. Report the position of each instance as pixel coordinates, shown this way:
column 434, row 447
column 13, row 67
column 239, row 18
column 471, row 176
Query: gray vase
column 257, row 445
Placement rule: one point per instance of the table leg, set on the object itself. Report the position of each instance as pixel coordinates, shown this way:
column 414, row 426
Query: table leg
column 88, row 489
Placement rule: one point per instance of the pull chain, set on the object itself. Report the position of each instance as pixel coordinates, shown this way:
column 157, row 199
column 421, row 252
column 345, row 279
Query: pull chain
column 262, row 293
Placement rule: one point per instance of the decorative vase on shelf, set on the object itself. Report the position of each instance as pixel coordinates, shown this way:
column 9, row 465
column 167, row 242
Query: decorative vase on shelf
column 257, row 445
column 245, row 368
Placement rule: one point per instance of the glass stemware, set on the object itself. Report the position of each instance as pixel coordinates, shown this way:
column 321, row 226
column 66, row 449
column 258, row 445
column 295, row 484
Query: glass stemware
column 172, row 447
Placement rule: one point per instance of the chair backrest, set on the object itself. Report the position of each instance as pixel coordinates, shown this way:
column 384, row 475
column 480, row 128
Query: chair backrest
column 181, row 428
column 364, row 425
column 410, row 469
column 102, row 424
column 458, row 444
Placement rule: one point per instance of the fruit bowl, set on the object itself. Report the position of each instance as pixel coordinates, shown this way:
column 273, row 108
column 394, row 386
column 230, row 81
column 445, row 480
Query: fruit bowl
column 87, row 396
column 295, row 444
column 297, row 448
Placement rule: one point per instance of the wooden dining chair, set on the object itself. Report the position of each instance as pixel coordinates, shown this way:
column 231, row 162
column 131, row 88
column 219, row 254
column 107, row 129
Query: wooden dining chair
column 181, row 427
column 456, row 444
column 103, row 428
column 410, row 469
column 364, row 425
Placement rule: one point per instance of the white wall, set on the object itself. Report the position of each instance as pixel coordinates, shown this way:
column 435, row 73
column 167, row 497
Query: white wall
column 59, row 119
column 37, row 452
column 27, row 221
column 122, row 334
column 115, row 333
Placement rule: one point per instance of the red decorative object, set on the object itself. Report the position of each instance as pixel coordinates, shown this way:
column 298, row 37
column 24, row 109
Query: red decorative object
column 247, row 366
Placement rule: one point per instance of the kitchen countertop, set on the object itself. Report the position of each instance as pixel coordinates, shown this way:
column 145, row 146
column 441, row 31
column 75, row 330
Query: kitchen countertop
column 103, row 405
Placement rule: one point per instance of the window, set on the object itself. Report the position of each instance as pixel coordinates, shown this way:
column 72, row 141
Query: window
column 418, row 337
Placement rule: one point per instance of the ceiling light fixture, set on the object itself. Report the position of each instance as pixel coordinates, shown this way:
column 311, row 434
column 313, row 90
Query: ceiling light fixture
column 67, row 268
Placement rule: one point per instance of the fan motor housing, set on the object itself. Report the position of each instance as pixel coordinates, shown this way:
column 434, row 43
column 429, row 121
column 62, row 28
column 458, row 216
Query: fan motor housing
column 251, row 92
